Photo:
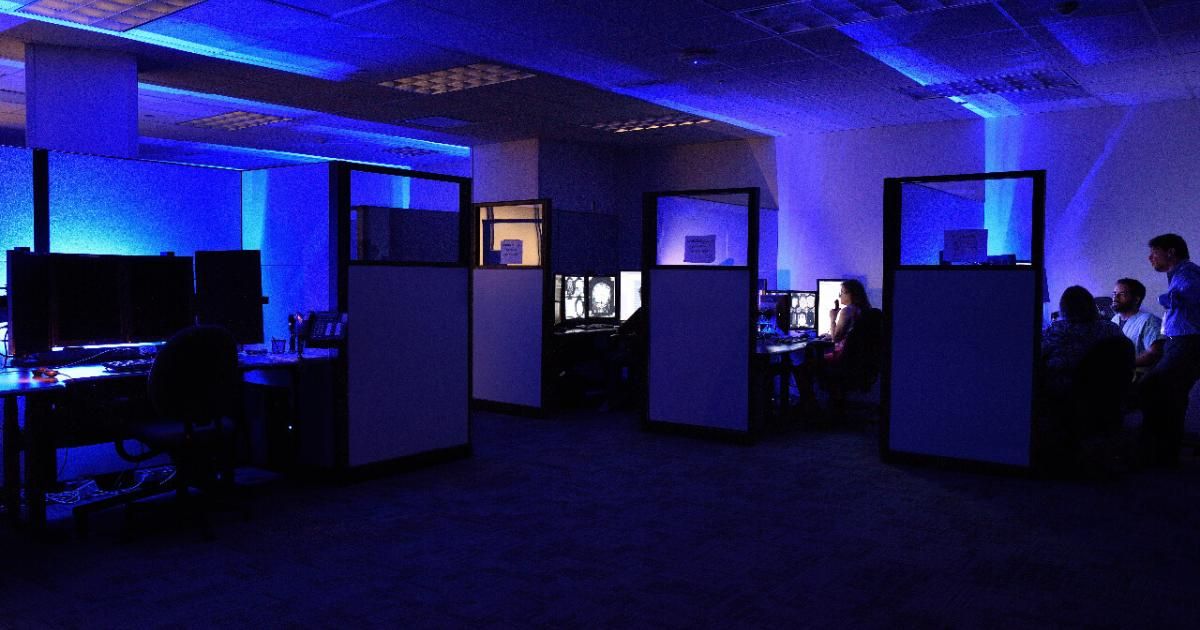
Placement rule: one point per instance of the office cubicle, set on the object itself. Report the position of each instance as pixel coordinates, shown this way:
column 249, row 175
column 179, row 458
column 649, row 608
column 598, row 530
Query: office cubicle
column 700, row 290
column 402, row 279
column 511, row 313
column 963, row 273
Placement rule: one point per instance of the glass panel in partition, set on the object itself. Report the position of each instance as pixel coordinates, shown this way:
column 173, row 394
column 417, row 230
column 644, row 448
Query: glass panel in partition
column 710, row 230
column 967, row 221
column 511, row 235
column 396, row 218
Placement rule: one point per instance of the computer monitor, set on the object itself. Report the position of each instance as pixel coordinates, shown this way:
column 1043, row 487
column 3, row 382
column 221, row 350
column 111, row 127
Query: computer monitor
column 602, row 297
column 631, row 293
column 229, row 292
column 558, row 299
column 161, row 297
column 827, row 292
column 61, row 300
column 804, row 310
column 574, row 298
column 774, row 311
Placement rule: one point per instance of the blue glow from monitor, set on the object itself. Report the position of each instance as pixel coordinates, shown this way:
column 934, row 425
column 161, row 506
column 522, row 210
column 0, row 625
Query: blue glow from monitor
column 190, row 35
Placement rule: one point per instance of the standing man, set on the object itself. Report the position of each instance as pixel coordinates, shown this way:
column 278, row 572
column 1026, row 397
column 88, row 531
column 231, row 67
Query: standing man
column 1142, row 328
column 1166, row 387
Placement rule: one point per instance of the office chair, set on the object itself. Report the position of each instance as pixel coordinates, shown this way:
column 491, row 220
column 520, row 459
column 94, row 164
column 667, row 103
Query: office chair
column 858, row 367
column 1095, row 410
column 194, row 390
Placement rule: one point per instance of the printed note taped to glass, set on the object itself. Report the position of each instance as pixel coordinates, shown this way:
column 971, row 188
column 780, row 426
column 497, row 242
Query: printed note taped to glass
column 965, row 246
column 511, row 251
column 700, row 249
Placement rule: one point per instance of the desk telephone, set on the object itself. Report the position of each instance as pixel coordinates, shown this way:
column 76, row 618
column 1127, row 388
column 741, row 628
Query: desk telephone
column 323, row 329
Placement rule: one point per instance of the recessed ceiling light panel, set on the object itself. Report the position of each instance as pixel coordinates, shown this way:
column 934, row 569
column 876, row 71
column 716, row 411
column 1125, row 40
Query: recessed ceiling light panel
column 233, row 121
column 410, row 151
column 646, row 124
column 113, row 15
column 807, row 15
column 457, row 79
column 999, row 84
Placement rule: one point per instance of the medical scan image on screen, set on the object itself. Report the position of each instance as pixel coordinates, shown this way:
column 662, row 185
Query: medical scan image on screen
column 804, row 310
column 574, row 297
column 602, row 297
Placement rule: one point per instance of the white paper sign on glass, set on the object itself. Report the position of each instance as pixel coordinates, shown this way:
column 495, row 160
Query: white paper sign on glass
column 511, row 251
column 965, row 246
column 700, row 249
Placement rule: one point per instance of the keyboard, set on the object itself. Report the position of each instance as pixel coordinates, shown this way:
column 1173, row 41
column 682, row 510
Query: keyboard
column 129, row 365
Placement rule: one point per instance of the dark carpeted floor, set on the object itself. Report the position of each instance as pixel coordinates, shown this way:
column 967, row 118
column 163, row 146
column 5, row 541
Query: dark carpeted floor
column 583, row 520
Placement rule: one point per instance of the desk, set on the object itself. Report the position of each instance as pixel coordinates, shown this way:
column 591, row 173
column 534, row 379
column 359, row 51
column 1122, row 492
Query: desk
column 36, row 438
column 773, row 369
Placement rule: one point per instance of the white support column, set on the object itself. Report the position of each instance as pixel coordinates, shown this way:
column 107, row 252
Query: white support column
column 81, row 100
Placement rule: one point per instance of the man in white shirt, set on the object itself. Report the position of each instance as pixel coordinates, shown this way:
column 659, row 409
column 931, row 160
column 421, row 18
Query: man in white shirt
column 1142, row 328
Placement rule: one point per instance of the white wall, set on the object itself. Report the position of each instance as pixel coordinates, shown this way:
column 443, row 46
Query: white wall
column 286, row 215
column 505, row 172
column 1115, row 177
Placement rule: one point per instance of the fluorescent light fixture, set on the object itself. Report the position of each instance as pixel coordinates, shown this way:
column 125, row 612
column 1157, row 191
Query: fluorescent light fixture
column 457, row 79
column 112, row 15
column 999, row 84
column 646, row 124
column 233, row 121
column 807, row 15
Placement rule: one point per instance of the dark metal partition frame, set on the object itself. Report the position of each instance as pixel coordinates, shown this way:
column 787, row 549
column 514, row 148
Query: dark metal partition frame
column 545, row 248
column 892, row 205
column 650, row 263
column 340, row 209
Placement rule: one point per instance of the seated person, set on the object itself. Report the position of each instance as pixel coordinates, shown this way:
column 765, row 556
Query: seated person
column 853, row 303
column 1142, row 328
column 627, row 361
column 1067, row 340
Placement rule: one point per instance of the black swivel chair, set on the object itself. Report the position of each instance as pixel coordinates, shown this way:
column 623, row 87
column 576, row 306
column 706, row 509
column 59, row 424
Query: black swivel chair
column 858, row 367
column 194, row 387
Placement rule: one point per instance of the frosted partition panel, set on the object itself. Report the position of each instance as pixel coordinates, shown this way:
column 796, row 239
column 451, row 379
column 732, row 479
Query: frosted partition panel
column 507, row 336
column 967, row 391
column 408, row 358
column 699, row 351
column 396, row 218
column 510, row 235
column 16, row 202
column 1001, row 207
column 703, row 230
column 115, row 206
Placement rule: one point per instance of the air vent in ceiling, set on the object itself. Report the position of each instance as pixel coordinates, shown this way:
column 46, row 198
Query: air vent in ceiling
column 795, row 17
column 646, row 124
column 111, row 15
column 233, row 121
column 457, row 79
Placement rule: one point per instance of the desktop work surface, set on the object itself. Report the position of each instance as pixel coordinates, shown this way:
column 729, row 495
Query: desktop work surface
column 49, row 422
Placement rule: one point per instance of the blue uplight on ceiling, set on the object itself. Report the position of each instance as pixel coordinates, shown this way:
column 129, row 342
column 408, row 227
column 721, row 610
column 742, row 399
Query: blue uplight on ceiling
column 209, row 42
column 300, row 158
column 881, row 45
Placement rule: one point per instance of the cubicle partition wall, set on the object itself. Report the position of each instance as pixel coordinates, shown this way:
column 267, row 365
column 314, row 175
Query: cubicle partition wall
column 403, row 281
column 963, row 311
column 700, row 291
column 511, row 305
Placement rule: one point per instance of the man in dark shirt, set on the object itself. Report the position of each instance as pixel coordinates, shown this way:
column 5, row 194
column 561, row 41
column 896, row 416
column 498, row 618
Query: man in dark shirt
column 1166, row 387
